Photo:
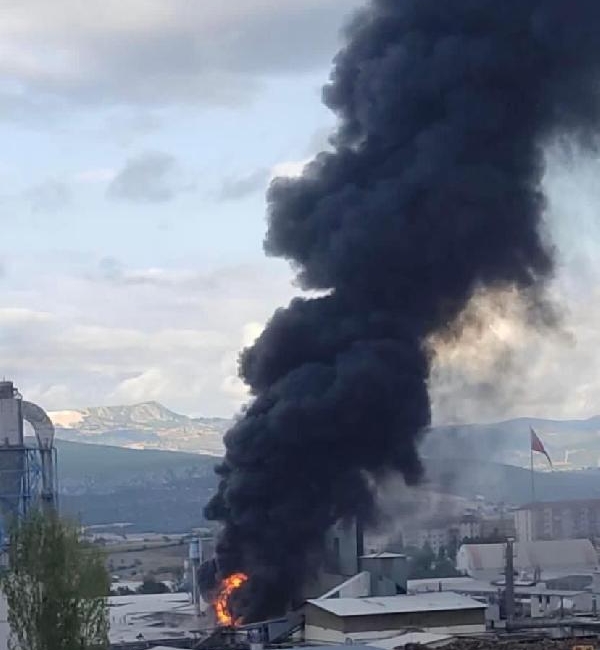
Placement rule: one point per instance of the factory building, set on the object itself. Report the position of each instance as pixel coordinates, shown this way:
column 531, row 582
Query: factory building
column 333, row 620
column 547, row 559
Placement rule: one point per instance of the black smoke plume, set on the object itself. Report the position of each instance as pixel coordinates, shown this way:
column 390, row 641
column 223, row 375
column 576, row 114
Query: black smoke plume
column 432, row 192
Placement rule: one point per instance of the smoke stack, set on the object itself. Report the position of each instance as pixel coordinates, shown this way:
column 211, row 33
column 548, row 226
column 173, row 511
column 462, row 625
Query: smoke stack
column 509, row 590
column 432, row 193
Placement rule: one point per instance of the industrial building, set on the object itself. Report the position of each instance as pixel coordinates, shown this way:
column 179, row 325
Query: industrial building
column 547, row 559
column 27, row 470
column 332, row 620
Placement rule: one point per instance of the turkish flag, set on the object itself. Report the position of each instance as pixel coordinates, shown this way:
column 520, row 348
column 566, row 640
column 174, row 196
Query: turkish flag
column 537, row 445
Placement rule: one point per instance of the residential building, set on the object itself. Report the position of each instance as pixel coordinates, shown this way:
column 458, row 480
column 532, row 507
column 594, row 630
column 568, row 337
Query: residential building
column 497, row 527
column 558, row 520
column 469, row 527
column 436, row 533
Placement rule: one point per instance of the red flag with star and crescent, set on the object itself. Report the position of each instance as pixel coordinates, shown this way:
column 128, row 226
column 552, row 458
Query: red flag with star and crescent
column 538, row 446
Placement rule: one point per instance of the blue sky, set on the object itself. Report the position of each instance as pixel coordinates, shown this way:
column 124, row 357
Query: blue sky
column 138, row 140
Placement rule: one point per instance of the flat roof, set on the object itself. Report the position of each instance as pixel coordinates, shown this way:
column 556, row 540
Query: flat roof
column 147, row 603
column 435, row 601
column 472, row 586
column 422, row 638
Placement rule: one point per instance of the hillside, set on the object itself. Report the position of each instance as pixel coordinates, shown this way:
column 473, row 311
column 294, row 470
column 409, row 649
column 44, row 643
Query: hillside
column 130, row 463
column 151, row 490
column 573, row 444
column 82, row 465
column 166, row 491
column 148, row 425
column 508, row 484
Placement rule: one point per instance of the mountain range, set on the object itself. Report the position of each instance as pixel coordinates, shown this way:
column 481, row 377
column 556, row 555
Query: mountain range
column 572, row 444
column 163, row 491
column 133, row 463
column 141, row 426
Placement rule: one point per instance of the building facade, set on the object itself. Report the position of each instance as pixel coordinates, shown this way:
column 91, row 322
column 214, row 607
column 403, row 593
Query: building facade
column 558, row 520
column 436, row 536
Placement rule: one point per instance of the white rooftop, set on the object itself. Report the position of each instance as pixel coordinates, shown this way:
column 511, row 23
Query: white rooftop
column 472, row 586
column 144, row 615
column 433, row 584
column 147, row 603
column 422, row 638
column 438, row 601
column 383, row 554
column 548, row 555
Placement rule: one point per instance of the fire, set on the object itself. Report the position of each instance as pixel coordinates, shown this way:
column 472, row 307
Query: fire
column 228, row 586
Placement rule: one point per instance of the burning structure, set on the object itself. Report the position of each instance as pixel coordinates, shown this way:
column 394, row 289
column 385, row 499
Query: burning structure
column 430, row 196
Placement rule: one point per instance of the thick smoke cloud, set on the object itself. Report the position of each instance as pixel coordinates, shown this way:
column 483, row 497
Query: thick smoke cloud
column 431, row 194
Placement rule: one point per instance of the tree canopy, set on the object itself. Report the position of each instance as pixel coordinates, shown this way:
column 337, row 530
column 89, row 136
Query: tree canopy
column 56, row 587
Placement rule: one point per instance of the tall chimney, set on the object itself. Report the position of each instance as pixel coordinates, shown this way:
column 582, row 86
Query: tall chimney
column 509, row 591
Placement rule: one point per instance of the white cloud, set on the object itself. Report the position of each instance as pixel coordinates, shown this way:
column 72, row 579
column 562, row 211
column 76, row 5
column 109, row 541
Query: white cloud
column 22, row 316
column 290, row 168
column 502, row 366
column 156, row 52
column 148, row 385
column 251, row 331
column 151, row 177
column 105, row 342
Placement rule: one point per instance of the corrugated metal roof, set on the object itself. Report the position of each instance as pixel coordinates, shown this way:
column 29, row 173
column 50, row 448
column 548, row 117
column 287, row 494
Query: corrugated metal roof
column 422, row 638
column 438, row 601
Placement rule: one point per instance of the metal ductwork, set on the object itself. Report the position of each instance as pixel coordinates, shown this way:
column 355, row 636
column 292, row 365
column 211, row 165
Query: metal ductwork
column 27, row 472
column 44, row 432
column 41, row 423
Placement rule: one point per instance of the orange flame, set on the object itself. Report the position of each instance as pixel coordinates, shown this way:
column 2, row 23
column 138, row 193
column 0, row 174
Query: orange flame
column 228, row 586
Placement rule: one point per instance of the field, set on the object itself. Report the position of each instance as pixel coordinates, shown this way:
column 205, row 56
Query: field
column 160, row 558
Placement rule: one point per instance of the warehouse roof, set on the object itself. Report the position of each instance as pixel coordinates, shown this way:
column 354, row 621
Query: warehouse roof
column 545, row 554
column 422, row 638
column 472, row 586
column 439, row 601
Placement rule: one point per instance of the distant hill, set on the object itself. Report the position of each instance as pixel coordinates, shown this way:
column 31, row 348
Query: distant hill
column 573, row 444
column 132, row 463
column 152, row 490
column 83, row 465
column 141, row 426
column 166, row 491
column 508, row 484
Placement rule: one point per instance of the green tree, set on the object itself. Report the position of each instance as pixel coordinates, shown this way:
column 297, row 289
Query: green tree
column 56, row 587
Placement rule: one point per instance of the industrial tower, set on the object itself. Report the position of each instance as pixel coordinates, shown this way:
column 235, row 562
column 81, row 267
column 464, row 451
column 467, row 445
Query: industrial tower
column 27, row 468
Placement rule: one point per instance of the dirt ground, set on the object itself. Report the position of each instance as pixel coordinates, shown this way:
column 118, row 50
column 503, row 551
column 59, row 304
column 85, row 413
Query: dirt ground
column 132, row 561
